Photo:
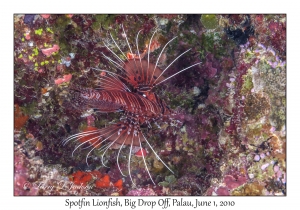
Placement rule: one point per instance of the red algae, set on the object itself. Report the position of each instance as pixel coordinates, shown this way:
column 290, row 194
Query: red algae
column 80, row 177
column 46, row 16
column 66, row 78
column 49, row 51
column 19, row 118
column 100, row 181
column 104, row 182
column 119, row 184
column 141, row 152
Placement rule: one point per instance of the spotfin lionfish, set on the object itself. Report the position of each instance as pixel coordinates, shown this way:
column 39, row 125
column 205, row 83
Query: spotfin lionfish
column 139, row 104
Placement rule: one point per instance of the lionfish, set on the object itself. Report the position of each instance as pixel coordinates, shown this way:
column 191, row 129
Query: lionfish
column 139, row 104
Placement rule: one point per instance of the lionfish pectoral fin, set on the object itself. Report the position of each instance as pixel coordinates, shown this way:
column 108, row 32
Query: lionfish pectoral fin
column 125, row 134
column 111, row 82
column 118, row 135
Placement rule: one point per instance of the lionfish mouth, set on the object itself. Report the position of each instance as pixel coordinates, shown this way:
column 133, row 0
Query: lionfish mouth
column 113, row 95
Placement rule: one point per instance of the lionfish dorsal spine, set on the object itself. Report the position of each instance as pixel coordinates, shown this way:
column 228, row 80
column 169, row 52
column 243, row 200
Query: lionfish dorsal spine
column 140, row 73
column 159, row 58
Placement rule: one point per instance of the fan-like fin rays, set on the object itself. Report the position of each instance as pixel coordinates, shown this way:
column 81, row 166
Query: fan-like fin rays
column 111, row 82
column 102, row 139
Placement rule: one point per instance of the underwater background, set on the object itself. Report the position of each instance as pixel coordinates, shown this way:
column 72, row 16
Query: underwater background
column 230, row 138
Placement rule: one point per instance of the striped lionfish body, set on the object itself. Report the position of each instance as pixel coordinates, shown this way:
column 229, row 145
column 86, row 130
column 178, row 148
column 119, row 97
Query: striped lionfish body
column 139, row 103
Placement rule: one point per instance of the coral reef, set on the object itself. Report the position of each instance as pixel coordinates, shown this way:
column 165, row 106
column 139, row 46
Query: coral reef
column 228, row 135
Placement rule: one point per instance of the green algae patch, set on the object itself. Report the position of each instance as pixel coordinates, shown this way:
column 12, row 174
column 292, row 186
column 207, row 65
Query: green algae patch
column 248, row 84
column 209, row 21
column 169, row 180
column 102, row 21
column 39, row 31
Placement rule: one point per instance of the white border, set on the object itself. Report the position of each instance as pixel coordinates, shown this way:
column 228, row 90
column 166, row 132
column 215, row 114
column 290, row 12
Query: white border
column 153, row 6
